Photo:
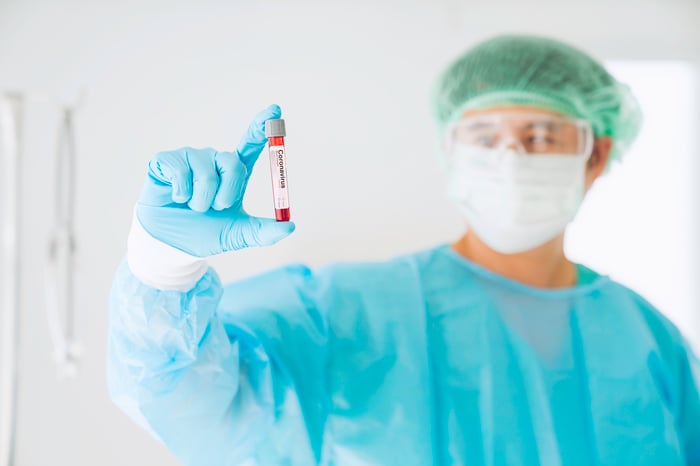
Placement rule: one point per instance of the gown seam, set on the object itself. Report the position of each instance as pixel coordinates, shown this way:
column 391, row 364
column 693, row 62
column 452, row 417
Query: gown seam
column 585, row 394
column 431, row 368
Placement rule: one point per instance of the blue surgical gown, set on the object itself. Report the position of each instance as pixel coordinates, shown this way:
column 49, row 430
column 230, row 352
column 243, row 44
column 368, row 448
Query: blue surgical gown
column 426, row 359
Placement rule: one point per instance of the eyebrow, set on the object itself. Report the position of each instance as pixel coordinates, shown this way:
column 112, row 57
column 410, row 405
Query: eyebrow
column 480, row 125
column 550, row 125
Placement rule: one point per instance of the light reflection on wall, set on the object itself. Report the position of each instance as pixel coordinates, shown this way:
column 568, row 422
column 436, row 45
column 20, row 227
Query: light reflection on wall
column 639, row 223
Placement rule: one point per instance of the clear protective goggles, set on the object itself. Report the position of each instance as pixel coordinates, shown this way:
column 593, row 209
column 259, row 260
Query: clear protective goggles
column 525, row 132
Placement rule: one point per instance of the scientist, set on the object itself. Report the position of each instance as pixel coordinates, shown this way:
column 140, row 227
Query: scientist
column 494, row 350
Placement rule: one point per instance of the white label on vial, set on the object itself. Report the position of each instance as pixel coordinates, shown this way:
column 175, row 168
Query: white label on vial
column 278, row 167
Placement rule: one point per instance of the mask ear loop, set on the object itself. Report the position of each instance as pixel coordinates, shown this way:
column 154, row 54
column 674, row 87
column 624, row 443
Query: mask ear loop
column 587, row 150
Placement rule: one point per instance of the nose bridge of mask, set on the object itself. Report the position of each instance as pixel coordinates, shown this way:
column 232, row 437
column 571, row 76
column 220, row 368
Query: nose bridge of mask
column 509, row 161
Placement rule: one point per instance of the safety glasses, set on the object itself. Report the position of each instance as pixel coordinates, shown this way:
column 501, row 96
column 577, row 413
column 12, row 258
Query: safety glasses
column 527, row 133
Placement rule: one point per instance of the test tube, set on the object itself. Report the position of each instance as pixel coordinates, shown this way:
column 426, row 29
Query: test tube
column 275, row 133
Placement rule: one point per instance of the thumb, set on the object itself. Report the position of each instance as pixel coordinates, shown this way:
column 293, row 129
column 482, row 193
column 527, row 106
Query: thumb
column 155, row 192
column 254, row 140
column 256, row 231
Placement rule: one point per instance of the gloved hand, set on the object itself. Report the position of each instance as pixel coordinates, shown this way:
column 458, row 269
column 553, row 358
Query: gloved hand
column 192, row 198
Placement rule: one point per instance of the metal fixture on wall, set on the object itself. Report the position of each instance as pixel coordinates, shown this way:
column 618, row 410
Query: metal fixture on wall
column 11, row 105
column 60, row 270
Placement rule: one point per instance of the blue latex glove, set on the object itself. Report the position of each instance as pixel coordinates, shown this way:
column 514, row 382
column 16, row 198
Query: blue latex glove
column 192, row 198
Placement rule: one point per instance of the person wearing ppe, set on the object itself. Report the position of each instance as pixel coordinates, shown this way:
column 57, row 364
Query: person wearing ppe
column 495, row 350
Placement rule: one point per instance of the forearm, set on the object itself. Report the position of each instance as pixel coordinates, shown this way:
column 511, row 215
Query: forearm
column 174, row 370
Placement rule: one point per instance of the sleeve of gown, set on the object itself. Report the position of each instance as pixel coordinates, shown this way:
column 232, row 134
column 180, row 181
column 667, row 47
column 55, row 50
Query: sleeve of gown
column 220, row 375
column 689, row 419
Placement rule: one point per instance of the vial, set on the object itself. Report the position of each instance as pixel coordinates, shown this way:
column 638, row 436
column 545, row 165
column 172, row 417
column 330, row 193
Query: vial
column 275, row 133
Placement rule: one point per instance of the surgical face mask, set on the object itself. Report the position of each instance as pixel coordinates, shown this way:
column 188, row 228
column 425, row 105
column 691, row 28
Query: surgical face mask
column 515, row 202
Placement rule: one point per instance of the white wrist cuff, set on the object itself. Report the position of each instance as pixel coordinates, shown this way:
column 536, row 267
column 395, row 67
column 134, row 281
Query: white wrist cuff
column 159, row 265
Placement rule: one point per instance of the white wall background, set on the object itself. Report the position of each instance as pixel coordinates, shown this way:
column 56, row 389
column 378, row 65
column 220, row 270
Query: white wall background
column 353, row 78
column 639, row 223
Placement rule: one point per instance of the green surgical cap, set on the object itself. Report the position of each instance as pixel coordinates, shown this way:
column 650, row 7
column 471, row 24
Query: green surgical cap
column 542, row 73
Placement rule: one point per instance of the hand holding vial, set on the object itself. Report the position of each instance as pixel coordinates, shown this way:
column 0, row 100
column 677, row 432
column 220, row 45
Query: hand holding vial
column 193, row 198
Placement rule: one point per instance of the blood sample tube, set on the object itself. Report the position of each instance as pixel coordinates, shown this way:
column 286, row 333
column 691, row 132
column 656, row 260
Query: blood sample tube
column 275, row 133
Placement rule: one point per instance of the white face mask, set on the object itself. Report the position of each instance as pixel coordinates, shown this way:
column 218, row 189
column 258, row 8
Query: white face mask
column 516, row 202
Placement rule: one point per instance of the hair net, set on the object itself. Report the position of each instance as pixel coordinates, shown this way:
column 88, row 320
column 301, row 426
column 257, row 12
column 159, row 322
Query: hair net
column 543, row 73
